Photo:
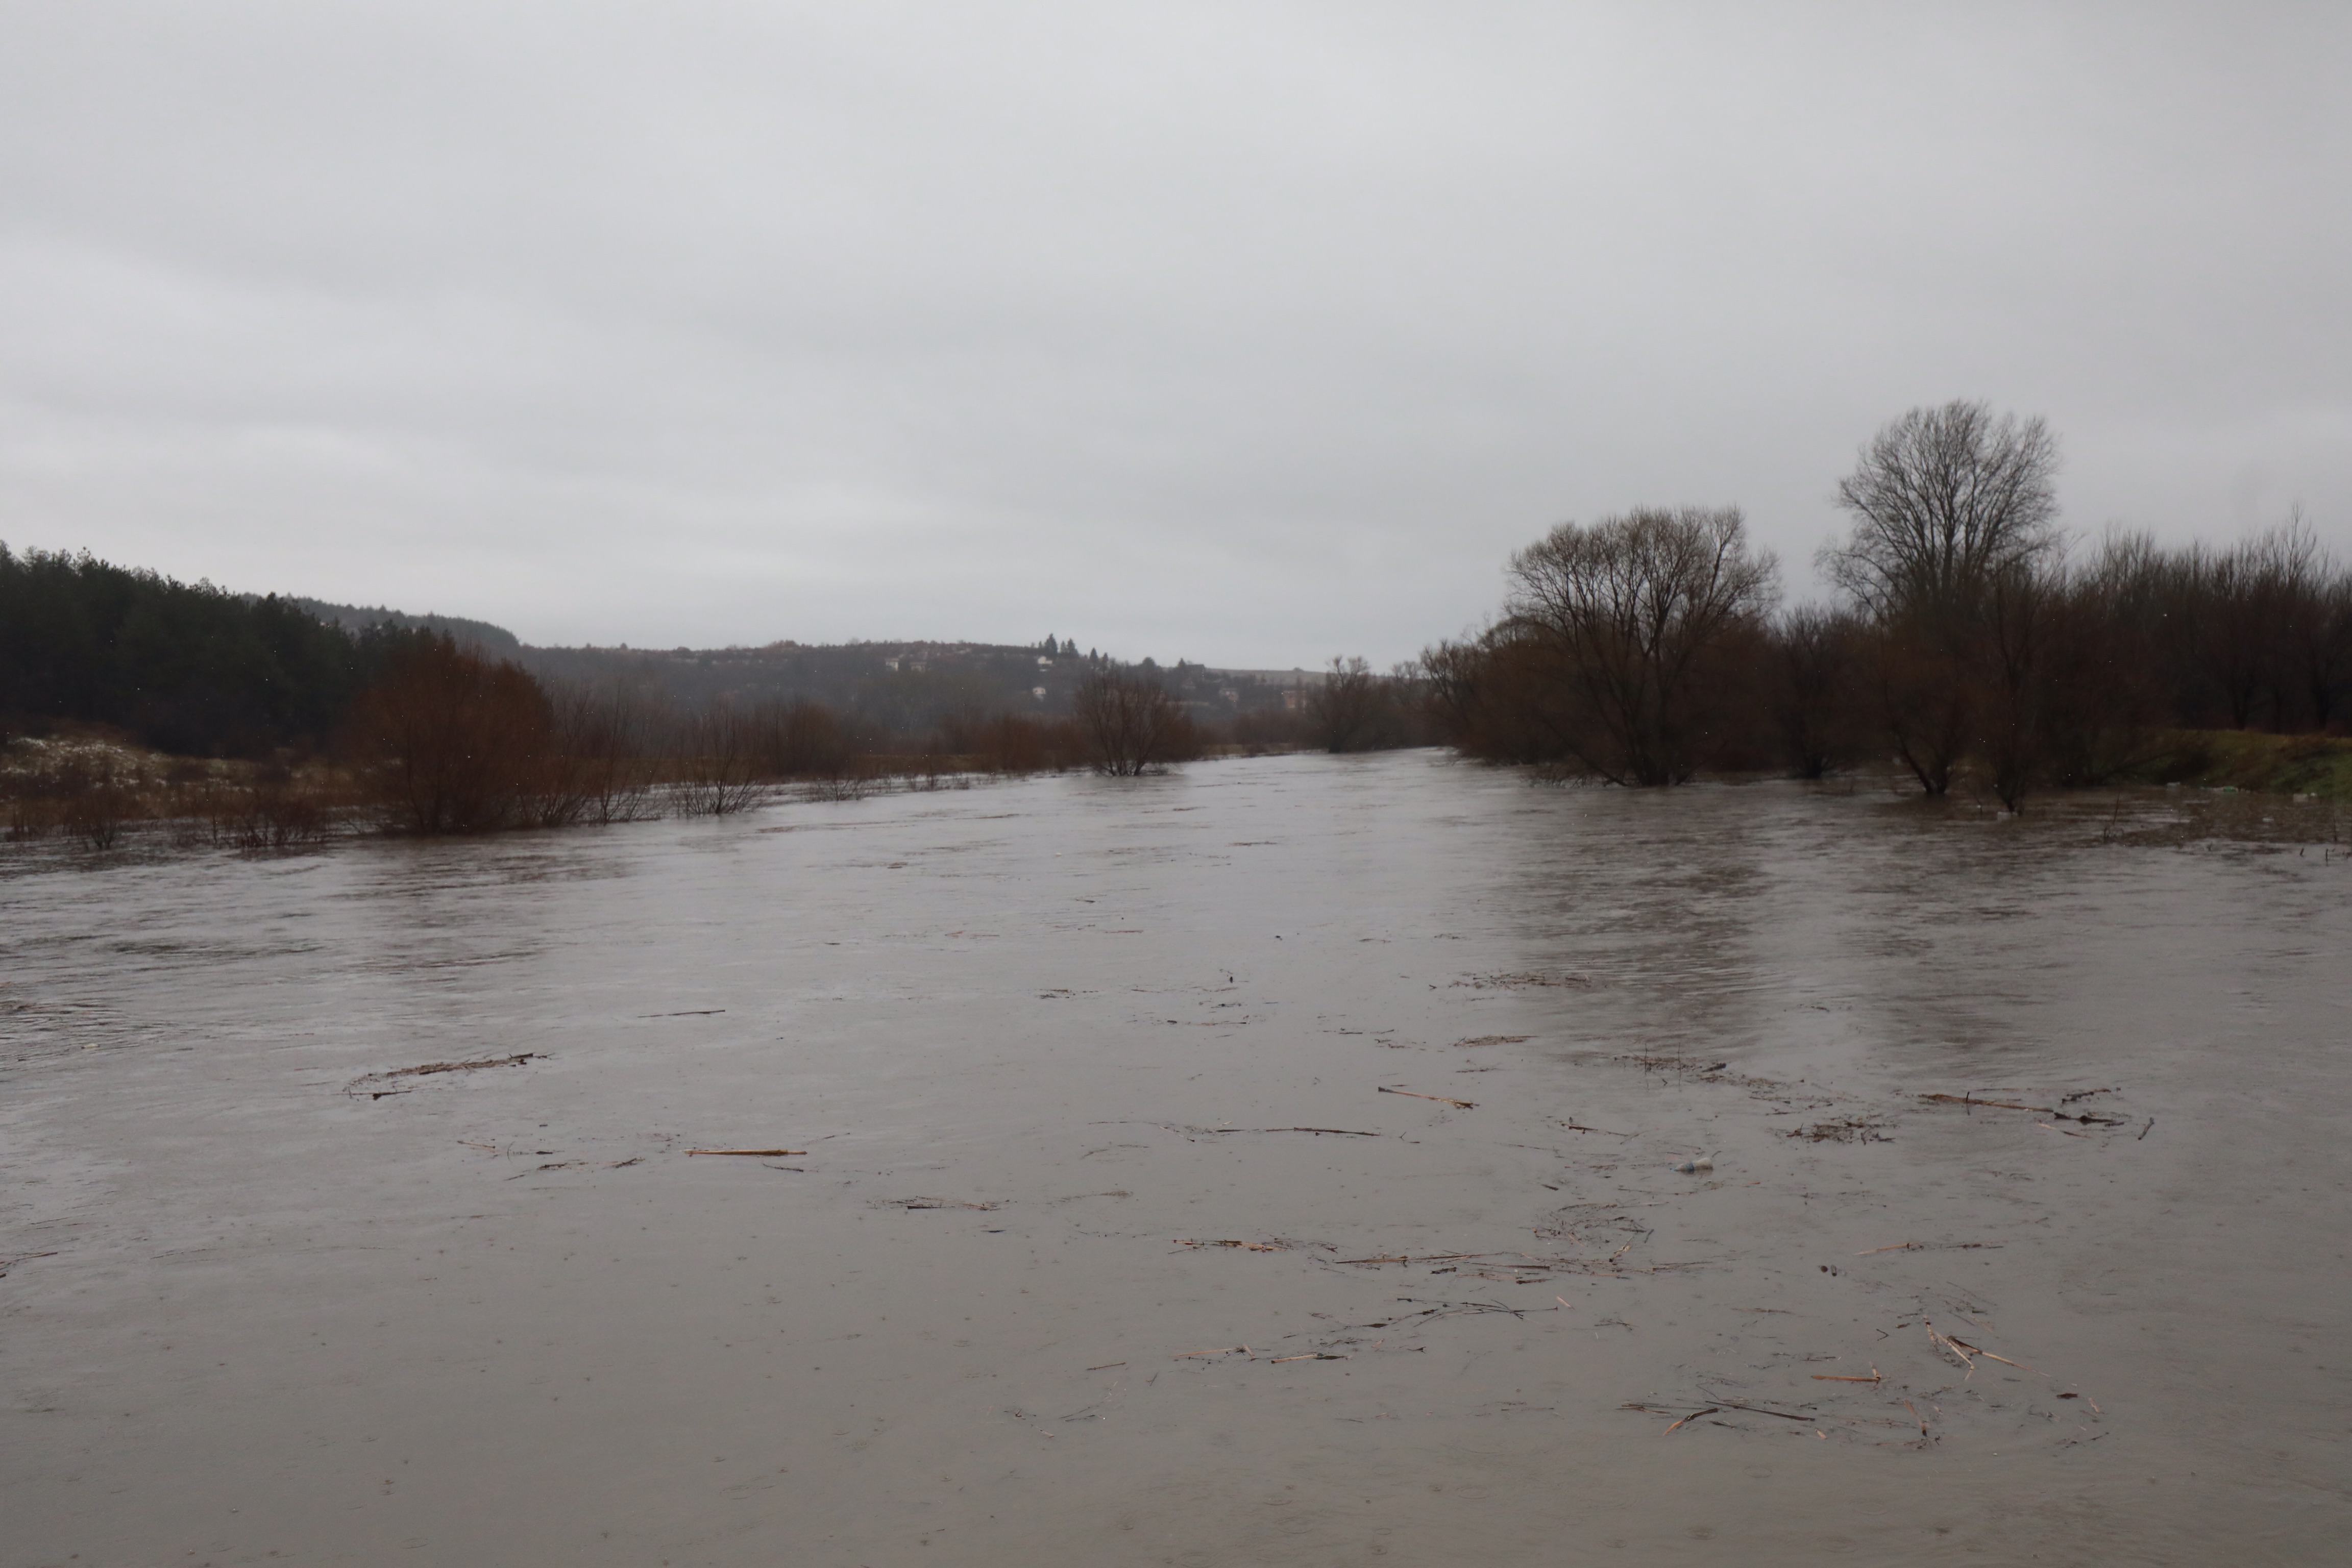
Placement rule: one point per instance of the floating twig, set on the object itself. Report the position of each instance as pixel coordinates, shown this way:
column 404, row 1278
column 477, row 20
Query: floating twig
column 429, row 1068
column 1442, row 1099
column 1933, row 1246
column 1339, row 1131
column 1979, row 1349
column 759, row 1153
column 1996, row 1104
column 1759, row 1410
column 1832, row 1377
column 1693, row 1416
column 1244, row 1245
column 1306, row 1355
column 514, row 1061
column 1220, row 1349
column 1579, row 1127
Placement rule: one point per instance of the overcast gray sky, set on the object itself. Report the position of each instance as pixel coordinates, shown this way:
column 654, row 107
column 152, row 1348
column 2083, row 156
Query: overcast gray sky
column 1249, row 333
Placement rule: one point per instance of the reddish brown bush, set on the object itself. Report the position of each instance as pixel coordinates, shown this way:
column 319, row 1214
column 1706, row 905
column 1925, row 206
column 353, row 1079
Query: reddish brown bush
column 450, row 742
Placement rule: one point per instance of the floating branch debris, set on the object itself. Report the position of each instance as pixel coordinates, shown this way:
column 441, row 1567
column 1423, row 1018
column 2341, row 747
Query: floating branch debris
column 429, row 1068
column 2089, row 1118
column 1442, row 1099
column 1971, row 1100
column 1335, row 1132
column 1933, row 1247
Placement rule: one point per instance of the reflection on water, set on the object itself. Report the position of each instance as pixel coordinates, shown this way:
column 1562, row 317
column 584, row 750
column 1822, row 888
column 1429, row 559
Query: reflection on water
column 1105, row 1244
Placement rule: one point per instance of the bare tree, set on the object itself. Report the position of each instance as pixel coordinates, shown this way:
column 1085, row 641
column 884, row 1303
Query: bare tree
column 1484, row 695
column 2109, row 644
column 2307, row 599
column 2242, row 609
column 1814, row 652
column 451, row 742
column 1625, row 613
column 2324, row 646
column 1920, row 682
column 610, row 737
column 717, row 762
column 1353, row 709
column 2019, row 607
column 1131, row 725
column 1943, row 498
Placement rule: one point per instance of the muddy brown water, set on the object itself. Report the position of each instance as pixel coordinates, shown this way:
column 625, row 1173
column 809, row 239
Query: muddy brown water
column 270, row 1298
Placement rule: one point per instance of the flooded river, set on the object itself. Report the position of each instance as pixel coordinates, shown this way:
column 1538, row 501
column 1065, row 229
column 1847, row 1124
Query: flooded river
column 1278, row 1163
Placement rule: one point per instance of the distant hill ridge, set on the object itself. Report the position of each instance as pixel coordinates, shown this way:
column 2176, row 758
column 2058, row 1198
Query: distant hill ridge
column 889, row 653
column 907, row 686
column 199, row 669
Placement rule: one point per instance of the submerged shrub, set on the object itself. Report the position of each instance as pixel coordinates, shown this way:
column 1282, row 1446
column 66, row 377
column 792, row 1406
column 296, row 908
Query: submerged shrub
column 450, row 742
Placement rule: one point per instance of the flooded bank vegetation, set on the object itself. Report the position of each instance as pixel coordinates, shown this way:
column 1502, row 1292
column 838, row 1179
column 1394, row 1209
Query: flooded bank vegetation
column 447, row 739
column 1971, row 647
column 133, row 705
column 1968, row 646
column 1131, row 725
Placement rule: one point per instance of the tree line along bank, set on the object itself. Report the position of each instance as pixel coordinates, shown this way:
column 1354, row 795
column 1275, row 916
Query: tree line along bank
column 278, row 725
column 1970, row 643
column 1968, row 646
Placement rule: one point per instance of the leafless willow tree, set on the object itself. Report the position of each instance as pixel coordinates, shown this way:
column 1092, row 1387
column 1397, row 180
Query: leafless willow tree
column 1131, row 725
column 1942, row 499
column 1354, row 709
column 2109, row 646
column 1955, row 527
column 1815, row 661
column 2022, row 606
column 1625, row 613
column 2268, row 625
column 717, row 762
column 612, row 738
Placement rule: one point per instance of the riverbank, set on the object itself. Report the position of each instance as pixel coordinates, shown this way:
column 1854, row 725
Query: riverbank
column 2318, row 765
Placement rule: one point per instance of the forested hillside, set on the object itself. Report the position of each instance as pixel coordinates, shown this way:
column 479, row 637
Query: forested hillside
column 187, row 669
column 196, row 670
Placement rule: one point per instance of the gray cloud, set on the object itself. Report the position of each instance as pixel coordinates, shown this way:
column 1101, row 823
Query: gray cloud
column 1250, row 332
